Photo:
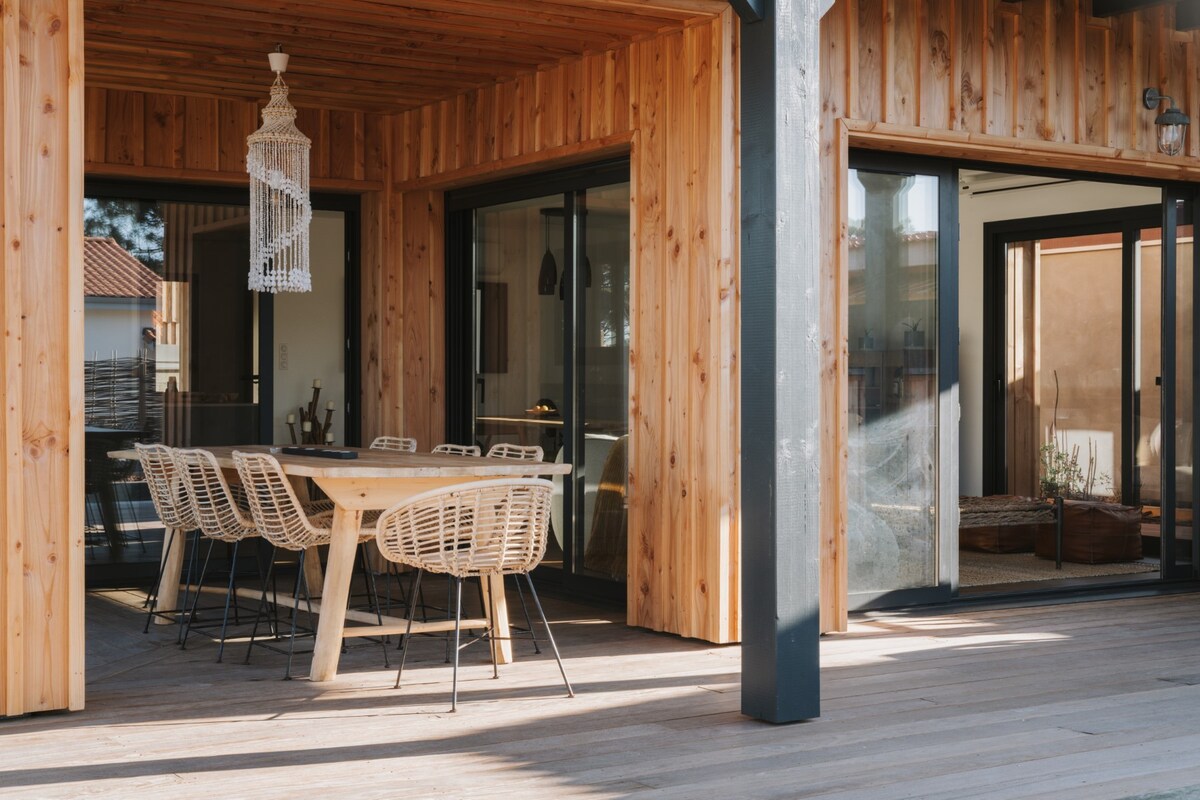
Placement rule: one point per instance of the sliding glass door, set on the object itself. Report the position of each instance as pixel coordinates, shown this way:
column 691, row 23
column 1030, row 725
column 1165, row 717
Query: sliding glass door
column 902, row 392
column 538, row 340
column 179, row 351
column 1092, row 347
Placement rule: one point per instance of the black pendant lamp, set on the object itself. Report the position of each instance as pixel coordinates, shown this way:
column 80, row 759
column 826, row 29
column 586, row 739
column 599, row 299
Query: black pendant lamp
column 548, row 274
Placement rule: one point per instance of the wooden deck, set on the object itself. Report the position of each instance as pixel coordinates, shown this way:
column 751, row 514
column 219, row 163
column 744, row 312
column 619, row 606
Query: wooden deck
column 1085, row 701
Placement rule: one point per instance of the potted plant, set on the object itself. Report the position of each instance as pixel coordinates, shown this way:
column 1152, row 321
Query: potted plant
column 914, row 336
column 867, row 340
column 1095, row 529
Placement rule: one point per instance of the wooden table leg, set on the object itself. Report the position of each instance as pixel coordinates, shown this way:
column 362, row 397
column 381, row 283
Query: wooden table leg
column 336, row 594
column 497, row 612
column 172, row 569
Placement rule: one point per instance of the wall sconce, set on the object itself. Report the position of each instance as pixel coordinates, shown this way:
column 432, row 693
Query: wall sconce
column 1172, row 124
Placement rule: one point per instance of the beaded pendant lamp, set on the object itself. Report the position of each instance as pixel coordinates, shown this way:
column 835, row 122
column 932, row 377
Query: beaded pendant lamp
column 280, row 206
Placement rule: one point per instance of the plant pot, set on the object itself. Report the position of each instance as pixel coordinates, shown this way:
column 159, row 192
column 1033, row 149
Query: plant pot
column 914, row 338
column 1095, row 533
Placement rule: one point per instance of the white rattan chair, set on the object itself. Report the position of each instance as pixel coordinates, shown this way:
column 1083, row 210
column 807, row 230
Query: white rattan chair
column 494, row 527
column 400, row 444
column 219, row 518
column 281, row 520
column 174, row 510
column 516, row 452
column 458, row 449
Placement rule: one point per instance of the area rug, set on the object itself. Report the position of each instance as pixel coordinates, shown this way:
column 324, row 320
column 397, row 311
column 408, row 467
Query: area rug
column 985, row 569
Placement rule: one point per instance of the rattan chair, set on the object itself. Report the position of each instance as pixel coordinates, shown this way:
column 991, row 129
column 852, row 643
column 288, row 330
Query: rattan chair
column 282, row 520
column 219, row 518
column 472, row 530
column 399, row 444
column 516, row 452
column 171, row 503
column 457, row 449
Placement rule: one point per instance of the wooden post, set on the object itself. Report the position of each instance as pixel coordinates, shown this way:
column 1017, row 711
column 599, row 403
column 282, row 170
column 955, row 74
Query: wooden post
column 781, row 357
column 41, row 305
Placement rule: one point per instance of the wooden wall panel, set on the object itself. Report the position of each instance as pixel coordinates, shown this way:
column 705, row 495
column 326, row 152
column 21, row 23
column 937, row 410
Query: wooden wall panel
column 1037, row 82
column 670, row 102
column 41, row 305
column 140, row 135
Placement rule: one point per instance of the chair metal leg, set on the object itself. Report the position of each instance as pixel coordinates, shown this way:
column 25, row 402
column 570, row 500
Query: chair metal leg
column 228, row 596
column 457, row 634
column 412, row 612
column 492, row 652
column 549, row 635
column 263, row 608
column 187, row 583
column 233, row 583
column 287, row 673
column 373, row 593
column 449, row 597
column 152, row 597
column 191, row 614
column 525, row 611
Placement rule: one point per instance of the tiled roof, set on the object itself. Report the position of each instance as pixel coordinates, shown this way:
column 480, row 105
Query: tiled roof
column 110, row 271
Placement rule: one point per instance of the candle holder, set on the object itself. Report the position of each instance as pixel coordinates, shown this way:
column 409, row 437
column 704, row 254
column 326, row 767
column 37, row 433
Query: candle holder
column 313, row 430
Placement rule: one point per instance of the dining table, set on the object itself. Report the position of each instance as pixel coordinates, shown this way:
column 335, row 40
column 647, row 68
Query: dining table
column 372, row 480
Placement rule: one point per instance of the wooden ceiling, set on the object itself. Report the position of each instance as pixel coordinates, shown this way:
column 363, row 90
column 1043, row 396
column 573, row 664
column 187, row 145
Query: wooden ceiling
column 364, row 55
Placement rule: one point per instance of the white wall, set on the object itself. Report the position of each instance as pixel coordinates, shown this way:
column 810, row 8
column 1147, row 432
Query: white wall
column 113, row 325
column 310, row 327
column 974, row 211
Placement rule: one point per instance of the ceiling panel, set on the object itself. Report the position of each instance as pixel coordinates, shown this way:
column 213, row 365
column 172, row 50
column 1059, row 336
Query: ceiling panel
column 368, row 55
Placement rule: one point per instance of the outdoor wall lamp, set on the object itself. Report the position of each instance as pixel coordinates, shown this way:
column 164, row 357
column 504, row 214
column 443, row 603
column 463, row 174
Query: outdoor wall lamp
column 1172, row 124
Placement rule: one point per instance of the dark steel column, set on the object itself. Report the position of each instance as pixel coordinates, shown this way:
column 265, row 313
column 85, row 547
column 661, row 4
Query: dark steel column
column 780, row 362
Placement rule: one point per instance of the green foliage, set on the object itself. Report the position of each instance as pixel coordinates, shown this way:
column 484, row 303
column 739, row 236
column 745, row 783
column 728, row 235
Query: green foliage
column 136, row 225
column 1063, row 476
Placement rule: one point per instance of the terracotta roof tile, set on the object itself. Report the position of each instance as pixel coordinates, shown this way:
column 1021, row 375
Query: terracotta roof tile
column 110, row 271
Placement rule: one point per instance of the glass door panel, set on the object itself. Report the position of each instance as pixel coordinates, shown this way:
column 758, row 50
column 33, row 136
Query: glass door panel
column 519, row 386
column 172, row 354
column 1178, row 365
column 547, row 360
column 895, row 406
column 1064, row 374
column 602, row 364
column 1185, row 396
column 1147, row 390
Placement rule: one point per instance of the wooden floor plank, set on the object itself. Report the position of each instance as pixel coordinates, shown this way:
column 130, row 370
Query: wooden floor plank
column 1092, row 700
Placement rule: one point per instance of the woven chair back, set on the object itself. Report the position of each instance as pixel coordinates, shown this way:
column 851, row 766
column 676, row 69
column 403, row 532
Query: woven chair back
column 400, row 444
column 212, row 501
column 516, row 452
column 166, row 489
column 457, row 449
column 485, row 527
column 276, row 510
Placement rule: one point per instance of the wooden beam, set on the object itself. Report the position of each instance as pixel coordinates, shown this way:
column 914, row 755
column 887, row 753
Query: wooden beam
column 781, row 358
column 41, row 295
column 1020, row 152
column 1113, row 8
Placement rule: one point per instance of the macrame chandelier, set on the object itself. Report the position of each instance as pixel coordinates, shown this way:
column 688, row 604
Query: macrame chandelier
column 280, row 208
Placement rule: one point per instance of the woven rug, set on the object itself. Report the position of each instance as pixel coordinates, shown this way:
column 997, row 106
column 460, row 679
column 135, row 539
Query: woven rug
column 985, row 569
